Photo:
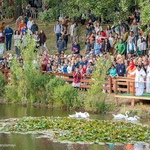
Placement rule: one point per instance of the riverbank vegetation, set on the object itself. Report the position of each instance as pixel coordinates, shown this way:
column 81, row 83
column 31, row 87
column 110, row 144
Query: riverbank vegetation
column 29, row 85
column 75, row 130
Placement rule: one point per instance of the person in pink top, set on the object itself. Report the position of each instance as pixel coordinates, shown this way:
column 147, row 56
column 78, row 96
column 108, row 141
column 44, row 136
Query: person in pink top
column 76, row 78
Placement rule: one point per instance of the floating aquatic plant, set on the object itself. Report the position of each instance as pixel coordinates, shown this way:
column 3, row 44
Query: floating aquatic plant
column 83, row 130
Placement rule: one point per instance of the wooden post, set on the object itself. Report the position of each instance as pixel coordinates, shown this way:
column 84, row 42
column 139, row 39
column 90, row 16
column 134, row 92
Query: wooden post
column 110, row 85
column 133, row 89
column 132, row 102
column 133, row 93
column 128, row 86
column 115, row 85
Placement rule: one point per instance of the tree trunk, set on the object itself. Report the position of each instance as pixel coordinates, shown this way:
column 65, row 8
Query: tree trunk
column 18, row 9
column 17, row 12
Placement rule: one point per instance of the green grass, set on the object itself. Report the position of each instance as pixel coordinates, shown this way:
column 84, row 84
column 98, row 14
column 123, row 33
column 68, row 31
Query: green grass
column 51, row 39
column 144, row 95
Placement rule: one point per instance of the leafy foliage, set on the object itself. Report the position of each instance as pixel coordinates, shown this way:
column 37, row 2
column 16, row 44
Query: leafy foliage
column 95, row 100
column 112, row 10
column 66, row 96
column 145, row 13
column 74, row 130
column 50, row 87
column 28, row 84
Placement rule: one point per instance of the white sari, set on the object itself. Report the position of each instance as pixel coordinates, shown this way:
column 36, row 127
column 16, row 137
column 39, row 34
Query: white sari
column 148, row 80
column 139, row 81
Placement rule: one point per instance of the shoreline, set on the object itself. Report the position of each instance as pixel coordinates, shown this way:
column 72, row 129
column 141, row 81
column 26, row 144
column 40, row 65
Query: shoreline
column 137, row 110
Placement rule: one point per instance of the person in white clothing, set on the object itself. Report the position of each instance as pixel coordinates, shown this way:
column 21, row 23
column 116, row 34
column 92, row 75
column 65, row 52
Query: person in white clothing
column 29, row 23
column 148, row 79
column 69, row 68
column 139, row 80
column 71, row 32
column 131, row 49
column 17, row 41
column 2, row 41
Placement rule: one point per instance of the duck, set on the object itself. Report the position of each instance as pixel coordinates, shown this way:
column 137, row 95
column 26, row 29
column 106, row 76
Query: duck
column 121, row 116
column 135, row 118
column 80, row 115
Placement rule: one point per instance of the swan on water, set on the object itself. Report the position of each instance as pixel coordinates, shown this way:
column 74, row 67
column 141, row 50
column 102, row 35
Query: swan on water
column 135, row 118
column 80, row 115
column 121, row 116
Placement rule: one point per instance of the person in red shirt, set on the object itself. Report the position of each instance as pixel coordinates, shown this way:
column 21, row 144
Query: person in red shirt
column 76, row 78
column 21, row 25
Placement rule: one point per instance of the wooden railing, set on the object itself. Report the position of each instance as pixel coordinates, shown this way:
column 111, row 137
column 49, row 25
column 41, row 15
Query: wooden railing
column 111, row 84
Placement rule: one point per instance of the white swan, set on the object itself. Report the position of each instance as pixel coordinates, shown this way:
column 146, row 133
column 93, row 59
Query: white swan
column 135, row 118
column 80, row 115
column 121, row 116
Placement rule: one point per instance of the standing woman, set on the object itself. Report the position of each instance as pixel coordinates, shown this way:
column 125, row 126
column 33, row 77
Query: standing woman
column 139, row 80
column 108, row 30
column 98, row 27
column 17, row 39
column 148, row 79
column 43, row 38
column 97, row 48
column 76, row 33
column 2, row 41
column 65, row 34
column 76, row 78
column 131, row 68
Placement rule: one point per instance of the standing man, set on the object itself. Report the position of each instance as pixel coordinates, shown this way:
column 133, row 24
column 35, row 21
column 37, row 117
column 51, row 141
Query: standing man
column 29, row 23
column 61, row 45
column 58, row 30
column 8, row 32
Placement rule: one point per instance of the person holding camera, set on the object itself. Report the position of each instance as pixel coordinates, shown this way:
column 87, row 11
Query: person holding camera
column 76, row 78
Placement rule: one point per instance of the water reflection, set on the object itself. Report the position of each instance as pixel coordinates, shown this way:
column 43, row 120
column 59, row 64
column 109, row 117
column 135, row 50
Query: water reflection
column 30, row 142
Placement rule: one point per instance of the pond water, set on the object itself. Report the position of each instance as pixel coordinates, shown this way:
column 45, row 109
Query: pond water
column 31, row 142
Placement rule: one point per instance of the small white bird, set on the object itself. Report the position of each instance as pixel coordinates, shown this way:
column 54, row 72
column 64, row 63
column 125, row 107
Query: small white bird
column 80, row 115
column 135, row 118
column 121, row 116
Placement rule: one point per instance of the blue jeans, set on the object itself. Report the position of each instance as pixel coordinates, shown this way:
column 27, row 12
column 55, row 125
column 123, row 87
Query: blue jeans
column 8, row 43
column 57, row 36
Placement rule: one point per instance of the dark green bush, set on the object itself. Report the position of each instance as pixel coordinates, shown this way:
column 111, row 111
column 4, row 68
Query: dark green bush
column 65, row 95
column 50, row 86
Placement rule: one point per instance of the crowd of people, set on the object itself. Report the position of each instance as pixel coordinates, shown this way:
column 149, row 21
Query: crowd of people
column 125, row 43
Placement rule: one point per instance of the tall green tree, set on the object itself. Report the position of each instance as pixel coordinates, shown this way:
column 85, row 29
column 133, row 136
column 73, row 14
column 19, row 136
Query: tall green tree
column 113, row 10
column 145, row 15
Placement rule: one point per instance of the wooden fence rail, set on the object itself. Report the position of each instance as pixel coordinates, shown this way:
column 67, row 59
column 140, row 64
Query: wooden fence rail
column 116, row 85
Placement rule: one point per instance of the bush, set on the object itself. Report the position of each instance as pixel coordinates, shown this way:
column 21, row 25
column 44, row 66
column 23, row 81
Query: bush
column 50, row 86
column 3, row 83
column 95, row 98
column 65, row 95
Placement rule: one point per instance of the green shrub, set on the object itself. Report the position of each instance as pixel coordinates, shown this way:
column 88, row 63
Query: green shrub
column 3, row 83
column 95, row 98
column 50, row 86
column 65, row 95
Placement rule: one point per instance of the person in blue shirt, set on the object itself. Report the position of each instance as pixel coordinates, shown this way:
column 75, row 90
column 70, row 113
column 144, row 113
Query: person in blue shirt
column 97, row 48
column 120, row 68
column 58, row 30
column 65, row 68
column 112, row 71
column 8, row 32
